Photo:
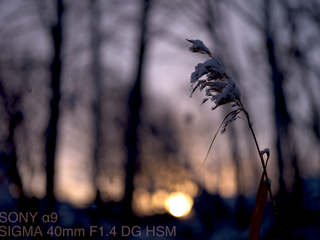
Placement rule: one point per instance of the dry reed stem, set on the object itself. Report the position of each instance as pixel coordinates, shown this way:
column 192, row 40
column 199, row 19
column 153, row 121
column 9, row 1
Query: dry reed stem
column 265, row 174
column 258, row 209
column 221, row 89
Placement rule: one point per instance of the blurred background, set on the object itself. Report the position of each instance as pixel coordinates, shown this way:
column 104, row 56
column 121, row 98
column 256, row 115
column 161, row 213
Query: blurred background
column 96, row 122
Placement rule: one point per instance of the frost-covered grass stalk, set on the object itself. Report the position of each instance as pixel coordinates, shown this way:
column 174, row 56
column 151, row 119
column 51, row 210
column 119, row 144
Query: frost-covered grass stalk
column 219, row 87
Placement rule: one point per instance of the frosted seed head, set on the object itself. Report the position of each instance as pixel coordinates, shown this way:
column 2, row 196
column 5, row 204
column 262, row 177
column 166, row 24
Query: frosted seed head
column 199, row 47
column 217, row 83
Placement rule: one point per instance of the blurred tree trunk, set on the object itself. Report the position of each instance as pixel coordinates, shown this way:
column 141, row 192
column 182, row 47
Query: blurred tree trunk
column 96, row 70
column 213, row 22
column 282, row 118
column 299, row 54
column 134, row 109
column 52, row 129
column 9, row 155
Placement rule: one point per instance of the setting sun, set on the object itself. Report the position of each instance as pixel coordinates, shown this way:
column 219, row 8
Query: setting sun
column 179, row 204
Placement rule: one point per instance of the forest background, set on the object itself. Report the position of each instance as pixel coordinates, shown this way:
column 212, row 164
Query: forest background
column 96, row 119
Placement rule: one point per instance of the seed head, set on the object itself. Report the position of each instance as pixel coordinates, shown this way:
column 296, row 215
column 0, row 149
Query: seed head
column 199, row 47
column 211, row 76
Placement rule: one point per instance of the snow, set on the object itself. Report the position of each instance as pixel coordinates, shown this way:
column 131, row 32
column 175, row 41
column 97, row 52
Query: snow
column 199, row 47
column 266, row 150
column 269, row 180
column 219, row 86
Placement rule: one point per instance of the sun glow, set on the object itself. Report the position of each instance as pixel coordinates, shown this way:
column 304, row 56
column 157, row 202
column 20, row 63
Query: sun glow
column 179, row 204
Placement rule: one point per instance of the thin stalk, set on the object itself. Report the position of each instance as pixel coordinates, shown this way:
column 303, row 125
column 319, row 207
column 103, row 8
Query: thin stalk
column 264, row 171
